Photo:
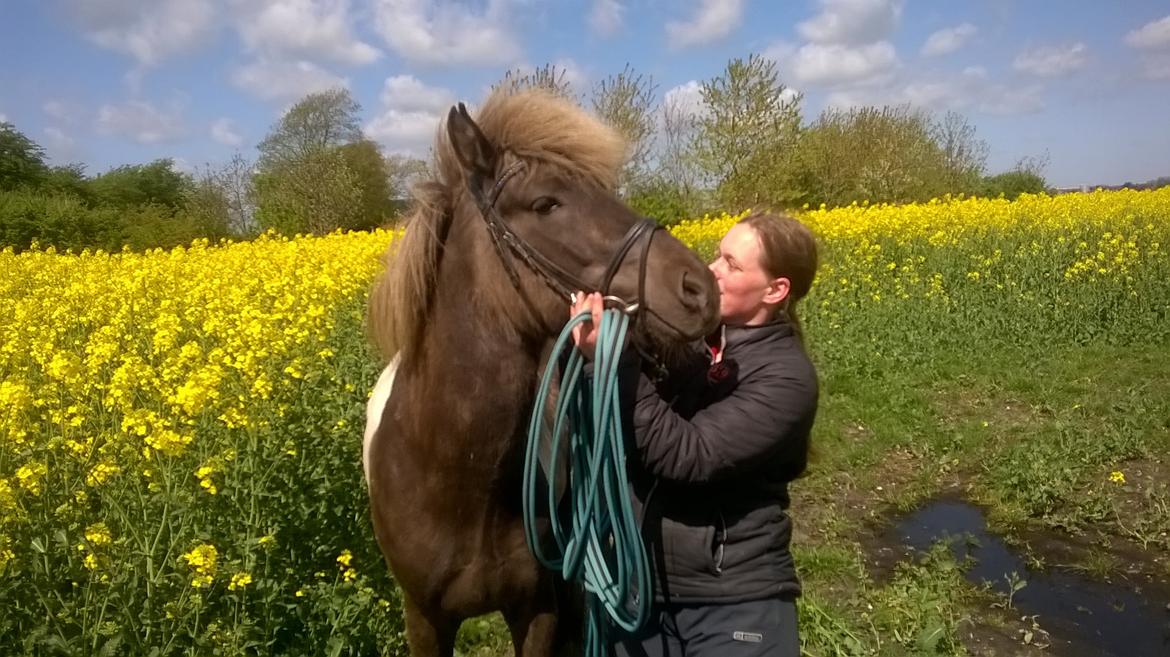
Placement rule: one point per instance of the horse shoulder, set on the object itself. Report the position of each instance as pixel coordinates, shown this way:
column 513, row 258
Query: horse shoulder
column 375, row 408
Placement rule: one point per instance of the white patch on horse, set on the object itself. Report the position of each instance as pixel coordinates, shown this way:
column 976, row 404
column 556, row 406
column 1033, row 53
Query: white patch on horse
column 374, row 409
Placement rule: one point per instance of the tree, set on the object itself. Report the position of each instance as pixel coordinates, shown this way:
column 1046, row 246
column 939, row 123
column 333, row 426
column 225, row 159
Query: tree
column 22, row 161
column 318, row 121
column 876, row 154
column 141, row 184
column 403, row 172
column 235, row 182
column 315, row 194
column 1026, row 178
column 626, row 102
column 549, row 77
column 69, row 180
column 746, row 134
column 372, row 177
column 964, row 154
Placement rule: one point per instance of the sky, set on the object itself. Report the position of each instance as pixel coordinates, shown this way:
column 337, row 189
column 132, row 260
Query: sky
column 1085, row 84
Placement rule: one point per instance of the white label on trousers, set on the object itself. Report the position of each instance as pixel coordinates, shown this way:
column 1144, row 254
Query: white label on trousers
column 750, row 637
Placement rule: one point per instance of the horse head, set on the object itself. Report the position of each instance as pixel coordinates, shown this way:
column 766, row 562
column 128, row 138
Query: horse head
column 545, row 212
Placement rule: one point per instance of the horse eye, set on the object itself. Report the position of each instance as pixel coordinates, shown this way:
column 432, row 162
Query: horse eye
column 545, row 205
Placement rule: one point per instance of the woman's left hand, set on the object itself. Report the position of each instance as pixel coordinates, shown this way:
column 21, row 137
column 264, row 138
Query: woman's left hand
column 585, row 333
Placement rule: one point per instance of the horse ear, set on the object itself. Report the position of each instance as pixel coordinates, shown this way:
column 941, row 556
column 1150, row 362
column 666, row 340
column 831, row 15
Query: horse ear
column 473, row 149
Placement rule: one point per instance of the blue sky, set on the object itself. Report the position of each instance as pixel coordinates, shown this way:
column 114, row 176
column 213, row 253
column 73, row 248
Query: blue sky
column 108, row 82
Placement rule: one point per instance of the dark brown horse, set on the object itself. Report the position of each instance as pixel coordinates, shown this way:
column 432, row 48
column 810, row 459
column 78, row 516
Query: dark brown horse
column 520, row 209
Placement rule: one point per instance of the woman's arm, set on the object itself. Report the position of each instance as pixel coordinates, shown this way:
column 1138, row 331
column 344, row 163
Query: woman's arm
column 728, row 437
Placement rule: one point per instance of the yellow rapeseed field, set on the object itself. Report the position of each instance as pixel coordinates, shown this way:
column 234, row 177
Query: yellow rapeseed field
column 180, row 430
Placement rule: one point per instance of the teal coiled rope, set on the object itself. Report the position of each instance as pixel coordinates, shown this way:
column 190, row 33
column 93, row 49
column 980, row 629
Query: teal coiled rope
column 598, row 544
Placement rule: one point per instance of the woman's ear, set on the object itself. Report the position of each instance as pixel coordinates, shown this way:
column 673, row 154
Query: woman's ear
column 778, row 289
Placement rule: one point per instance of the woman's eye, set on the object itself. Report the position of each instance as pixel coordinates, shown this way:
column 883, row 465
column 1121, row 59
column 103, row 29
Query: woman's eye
column 545, row 205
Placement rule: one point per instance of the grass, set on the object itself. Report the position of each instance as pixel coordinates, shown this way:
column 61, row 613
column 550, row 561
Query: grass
column 1033, row 438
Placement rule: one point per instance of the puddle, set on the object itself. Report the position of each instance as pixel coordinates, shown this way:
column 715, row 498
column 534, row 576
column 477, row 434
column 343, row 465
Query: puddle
column 1083, row 616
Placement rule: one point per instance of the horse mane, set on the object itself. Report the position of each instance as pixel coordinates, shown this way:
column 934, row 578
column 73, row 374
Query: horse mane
column 534, row 125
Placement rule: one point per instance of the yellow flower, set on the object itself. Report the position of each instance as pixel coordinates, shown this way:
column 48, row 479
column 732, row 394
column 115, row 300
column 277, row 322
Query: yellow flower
column 202, row 559
column 29, row 476
column 1117, row 477
column 239, row 581
column 98, row 534
column 101, row 473
column 344, row 558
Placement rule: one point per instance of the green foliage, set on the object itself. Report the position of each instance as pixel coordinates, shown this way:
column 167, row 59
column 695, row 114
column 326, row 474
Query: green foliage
column 662, row 202
column 1011, row 184
column 626, row 102
column 67, row 180
column 964, row 154
column 316, row 194
column 61, row 220
column 22, row 161
column 141, row 184
column 317, row 122
column 879, row 155
column 745, row 134
column 372, row 176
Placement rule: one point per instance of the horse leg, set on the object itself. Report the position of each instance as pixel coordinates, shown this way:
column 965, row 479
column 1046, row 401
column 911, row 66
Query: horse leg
column 533, row 625
column 429, row 635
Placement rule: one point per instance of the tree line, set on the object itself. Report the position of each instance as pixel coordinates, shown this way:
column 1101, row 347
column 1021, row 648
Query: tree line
column 745, row 143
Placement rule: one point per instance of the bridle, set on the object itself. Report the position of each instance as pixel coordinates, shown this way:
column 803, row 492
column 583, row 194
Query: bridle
column 507, row 243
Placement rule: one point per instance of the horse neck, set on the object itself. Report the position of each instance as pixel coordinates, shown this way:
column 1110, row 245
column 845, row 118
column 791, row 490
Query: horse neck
column 470, row 336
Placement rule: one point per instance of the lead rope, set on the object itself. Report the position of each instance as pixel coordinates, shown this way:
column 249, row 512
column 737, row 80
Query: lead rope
column 597, row 543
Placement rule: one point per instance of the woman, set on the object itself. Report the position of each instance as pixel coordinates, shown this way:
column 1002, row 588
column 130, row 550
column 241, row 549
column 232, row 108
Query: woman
column 714, row 447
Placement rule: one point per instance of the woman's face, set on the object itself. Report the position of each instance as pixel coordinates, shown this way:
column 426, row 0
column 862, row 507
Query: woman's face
column 746, row 293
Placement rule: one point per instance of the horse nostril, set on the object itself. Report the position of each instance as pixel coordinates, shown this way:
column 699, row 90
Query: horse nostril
column 693, row 294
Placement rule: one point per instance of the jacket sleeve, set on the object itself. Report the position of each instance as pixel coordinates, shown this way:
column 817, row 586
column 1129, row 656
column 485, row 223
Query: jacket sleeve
column 727, row 437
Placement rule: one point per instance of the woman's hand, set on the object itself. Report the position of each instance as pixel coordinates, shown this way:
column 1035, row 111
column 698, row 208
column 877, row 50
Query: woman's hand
column 585, row 333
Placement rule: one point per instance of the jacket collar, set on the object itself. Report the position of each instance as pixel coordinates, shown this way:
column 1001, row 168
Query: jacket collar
column 739, row 336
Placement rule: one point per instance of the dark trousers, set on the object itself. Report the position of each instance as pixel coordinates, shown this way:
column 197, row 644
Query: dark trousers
column 741, row 629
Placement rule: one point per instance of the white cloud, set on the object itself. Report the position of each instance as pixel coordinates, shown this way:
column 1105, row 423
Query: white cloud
column 409, row 133
column 1052, row 61
column 835, row 64
column 412, row 112
column 223, row 131
column 147, row 31
column 59, row 146
column 852, row 22
column 284, row 80
column 947, row 41
column 605, row 19
column 686, row 98
column 408, row 94
column 140, row 121
column 1151, row 36
column 969, row 91
column 3, row 117
column 713, row 20
column 304, row 29
column 445, row 33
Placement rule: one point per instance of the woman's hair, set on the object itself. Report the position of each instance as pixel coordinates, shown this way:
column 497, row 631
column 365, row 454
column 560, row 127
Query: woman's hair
column 789, row 251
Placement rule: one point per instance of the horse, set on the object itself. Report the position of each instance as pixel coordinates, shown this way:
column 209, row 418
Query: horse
column 519, row 210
